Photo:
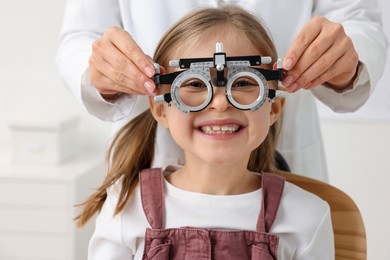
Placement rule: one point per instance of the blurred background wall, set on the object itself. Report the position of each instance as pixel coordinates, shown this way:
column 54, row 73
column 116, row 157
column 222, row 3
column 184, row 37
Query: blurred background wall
column 357, row 145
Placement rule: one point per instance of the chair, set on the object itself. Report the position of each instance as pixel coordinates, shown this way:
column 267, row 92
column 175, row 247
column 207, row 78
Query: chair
column 348, row 226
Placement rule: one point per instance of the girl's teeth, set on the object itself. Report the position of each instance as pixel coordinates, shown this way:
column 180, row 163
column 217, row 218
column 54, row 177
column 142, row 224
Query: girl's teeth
column 219, row 129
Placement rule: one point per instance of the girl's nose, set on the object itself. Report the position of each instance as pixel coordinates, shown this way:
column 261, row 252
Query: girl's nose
column 219, row 102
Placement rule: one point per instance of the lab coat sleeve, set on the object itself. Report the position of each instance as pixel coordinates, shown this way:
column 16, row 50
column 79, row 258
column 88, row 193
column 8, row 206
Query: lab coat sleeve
column 107, row 242
column 362, row 23
column 105, row 110
column 84, row 22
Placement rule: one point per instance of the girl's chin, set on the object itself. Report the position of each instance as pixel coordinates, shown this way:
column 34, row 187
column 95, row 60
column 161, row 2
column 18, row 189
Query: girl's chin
column 220, row 158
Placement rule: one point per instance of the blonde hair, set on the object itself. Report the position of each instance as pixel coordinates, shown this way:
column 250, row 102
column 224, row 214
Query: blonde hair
column 133, row 147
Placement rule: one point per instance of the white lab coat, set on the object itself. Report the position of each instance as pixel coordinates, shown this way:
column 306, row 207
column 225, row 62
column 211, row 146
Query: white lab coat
column 147, row 20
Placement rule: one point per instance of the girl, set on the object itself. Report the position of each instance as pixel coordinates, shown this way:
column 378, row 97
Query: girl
column 221, row 204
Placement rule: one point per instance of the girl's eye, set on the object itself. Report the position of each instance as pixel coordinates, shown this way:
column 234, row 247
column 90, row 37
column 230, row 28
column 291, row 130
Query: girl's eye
column 244, row 82
column 197, row 84
column 194, row 84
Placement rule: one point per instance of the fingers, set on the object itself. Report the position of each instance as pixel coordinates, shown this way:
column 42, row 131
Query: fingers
column 300, row 44
column 107, row 76
column 320, row 53
column 125, row 43
column 114, row 88
column 118, row 65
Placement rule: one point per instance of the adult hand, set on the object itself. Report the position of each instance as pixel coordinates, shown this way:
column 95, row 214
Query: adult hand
column 320, row 53
column 117, row 65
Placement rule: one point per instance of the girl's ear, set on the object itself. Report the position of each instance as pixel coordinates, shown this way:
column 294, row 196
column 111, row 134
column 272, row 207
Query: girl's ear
column 158, row 112
column 276, row 109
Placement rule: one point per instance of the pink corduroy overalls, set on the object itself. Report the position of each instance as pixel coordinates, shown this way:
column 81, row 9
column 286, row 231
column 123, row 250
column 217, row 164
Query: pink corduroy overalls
column 191, row 243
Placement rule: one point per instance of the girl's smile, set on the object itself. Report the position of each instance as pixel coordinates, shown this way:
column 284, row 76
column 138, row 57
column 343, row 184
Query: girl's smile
column 220, row 127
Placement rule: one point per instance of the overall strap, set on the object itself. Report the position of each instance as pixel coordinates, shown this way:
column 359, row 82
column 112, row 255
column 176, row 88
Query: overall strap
column 272, row 187
column 152, row 196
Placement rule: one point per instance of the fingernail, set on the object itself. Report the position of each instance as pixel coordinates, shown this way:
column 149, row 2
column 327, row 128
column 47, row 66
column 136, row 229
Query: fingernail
column 150, row 87
column 288, row 80
column 287, row 64
column 293, row 88
column 149, row 71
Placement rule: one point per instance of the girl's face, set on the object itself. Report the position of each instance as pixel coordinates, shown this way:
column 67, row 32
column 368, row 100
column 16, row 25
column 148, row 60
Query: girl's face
column 219, row 134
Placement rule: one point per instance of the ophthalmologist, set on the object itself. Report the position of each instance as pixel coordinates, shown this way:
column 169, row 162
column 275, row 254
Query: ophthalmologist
column 333, row 50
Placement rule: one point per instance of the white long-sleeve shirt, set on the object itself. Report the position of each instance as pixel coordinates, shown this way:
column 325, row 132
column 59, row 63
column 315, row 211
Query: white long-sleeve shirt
column 147, row 20
column 303, row 221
